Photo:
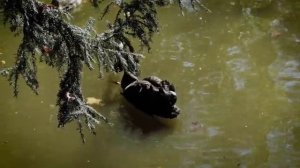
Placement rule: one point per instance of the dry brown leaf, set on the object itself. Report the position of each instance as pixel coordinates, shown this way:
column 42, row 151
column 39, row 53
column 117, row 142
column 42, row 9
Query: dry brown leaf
column 93, row 100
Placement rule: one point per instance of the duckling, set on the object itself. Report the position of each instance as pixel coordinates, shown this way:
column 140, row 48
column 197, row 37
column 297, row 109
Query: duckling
column 151, row 95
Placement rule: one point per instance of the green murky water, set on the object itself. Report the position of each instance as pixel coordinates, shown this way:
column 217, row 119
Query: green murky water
column 237, row 74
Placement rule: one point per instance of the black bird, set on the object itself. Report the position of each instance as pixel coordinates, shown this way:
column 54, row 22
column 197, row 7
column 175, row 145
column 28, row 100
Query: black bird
column 151, row 95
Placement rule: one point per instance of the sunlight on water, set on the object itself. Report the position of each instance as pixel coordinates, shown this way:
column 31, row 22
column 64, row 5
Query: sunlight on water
column 237, row 74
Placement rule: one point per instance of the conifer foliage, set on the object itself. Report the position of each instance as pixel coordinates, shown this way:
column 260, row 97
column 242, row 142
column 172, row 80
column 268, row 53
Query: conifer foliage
column 50, row 38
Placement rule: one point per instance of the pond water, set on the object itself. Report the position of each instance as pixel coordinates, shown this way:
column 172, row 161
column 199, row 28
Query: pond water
column 237, row 76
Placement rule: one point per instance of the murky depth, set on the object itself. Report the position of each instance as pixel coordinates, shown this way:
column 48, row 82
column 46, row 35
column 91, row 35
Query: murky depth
column 237, row 75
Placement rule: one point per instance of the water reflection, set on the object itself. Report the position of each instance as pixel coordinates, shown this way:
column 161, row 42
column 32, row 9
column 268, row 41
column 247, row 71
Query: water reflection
column 281, row 144
column 238, row 64
column 134, row 120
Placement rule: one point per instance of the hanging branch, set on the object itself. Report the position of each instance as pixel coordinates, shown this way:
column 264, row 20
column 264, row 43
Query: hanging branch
column 138, row 18
column 51, row 39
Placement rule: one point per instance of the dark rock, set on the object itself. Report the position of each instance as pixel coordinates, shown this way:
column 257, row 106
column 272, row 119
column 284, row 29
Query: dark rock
column 151, row 95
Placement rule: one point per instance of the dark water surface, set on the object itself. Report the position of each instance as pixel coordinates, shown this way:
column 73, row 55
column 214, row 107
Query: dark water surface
column 237, row 75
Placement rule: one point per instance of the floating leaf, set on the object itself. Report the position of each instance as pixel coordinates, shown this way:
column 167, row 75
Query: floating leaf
column 93, row 100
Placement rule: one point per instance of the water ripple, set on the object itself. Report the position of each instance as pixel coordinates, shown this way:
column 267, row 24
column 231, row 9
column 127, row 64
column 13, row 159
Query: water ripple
column 286, row 75
column 238, row 65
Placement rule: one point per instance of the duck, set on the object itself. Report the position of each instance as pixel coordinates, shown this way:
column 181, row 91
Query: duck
column 66, row 5
column 151, row 95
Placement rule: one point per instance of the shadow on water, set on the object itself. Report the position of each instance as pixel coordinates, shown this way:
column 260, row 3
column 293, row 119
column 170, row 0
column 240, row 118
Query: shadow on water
column 134, row 119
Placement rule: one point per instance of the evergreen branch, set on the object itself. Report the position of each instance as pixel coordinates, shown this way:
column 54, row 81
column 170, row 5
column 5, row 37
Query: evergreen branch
column 106, row 10
column 5, row 72
column 59, row 44
column 80, row 128
column 137, row 17
column 125, row 53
